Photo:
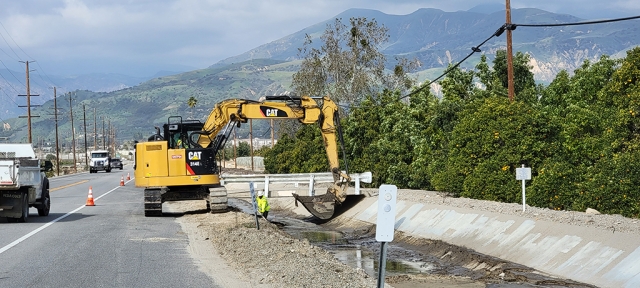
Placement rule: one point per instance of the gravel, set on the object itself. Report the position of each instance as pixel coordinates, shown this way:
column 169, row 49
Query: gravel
column 271, row 258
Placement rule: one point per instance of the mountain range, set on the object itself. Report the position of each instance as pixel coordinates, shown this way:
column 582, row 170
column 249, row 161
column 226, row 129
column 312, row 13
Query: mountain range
column 434, row 37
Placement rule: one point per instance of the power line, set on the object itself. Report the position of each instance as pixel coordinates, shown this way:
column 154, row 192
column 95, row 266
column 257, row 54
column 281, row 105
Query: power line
column 575, row 23
column 5, row 40
column 513, row 27
column 14, row 76
column 14, row 41
column 265, row 133
column 45, row 74
column 5, row 52
column 9, row 83
column 473, row 50
column 25, row 53
column 10, row 99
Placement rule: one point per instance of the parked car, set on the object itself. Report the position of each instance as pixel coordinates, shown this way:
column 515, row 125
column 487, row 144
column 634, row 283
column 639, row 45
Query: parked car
column 116, row 163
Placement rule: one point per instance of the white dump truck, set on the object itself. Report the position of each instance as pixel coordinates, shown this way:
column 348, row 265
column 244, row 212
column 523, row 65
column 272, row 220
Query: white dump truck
column 23, row 183
column 100, row 161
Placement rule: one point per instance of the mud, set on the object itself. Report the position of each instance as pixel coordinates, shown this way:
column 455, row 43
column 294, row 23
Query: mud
column 447, row 261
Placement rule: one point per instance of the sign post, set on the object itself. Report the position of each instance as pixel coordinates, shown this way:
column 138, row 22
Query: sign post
column 523, row 174
column 385, row 223
column 255, row 205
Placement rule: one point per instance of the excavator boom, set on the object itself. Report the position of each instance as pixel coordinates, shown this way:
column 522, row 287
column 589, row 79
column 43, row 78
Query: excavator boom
column 307, row 111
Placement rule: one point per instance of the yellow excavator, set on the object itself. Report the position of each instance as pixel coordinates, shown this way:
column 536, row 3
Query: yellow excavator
column 180, row 163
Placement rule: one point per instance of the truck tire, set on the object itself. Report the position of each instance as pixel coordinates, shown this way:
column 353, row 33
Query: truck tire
column 108, row 170
column 45, row 205
column 25, row 208
column 218, row 199
column 152, row 203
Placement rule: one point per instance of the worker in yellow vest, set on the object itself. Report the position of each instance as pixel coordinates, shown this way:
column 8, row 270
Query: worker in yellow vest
column 263, row 204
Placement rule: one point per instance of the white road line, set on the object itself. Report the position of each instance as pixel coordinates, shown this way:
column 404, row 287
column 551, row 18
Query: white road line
column 25, row 237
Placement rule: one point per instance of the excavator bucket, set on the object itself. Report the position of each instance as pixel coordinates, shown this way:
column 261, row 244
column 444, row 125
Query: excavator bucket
column 321, row 206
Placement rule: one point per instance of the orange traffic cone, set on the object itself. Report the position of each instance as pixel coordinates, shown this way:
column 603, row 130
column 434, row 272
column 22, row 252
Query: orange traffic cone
column 90, row 198
column 122, row 181
column 128, row 177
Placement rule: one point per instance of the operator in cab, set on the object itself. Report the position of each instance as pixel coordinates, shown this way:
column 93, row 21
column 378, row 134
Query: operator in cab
column 178, row 141
column 263, row 204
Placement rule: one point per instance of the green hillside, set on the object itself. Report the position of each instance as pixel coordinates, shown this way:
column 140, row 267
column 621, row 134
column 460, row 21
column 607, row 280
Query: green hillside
column 133, row 112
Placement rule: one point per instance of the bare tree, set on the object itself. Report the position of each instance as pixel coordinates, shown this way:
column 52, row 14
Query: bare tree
column 349, row 65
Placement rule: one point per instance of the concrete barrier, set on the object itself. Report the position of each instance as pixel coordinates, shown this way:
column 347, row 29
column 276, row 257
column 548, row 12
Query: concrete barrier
column 589, row 255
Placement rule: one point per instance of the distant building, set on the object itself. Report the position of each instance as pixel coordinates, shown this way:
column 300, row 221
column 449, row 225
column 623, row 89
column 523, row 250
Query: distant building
column 257, row 142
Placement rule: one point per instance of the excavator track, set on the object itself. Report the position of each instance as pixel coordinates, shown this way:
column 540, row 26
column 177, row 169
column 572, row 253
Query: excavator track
column 321, row 206
column 152, row 202
column 218, row 201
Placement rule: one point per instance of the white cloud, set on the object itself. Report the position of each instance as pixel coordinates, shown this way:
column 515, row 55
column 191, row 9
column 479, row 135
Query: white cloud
column 106, row 36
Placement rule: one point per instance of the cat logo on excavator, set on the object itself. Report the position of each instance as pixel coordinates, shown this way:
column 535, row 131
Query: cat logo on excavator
column 195, row 155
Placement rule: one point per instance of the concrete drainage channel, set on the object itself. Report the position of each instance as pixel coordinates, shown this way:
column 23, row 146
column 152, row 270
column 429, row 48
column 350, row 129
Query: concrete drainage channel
column 411, row 262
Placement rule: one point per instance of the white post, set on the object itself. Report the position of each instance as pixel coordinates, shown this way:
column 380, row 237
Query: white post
column 311, row 181
column 357, row 180
column 524, row 201
column 266, row 186
column 523, row 174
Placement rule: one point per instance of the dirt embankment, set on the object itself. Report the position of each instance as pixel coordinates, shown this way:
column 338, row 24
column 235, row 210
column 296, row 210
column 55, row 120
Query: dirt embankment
column 267, row 257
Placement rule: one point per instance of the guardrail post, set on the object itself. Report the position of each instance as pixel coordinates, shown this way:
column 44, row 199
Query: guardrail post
column 357, row 180
column 311, row 190
column 266, row 186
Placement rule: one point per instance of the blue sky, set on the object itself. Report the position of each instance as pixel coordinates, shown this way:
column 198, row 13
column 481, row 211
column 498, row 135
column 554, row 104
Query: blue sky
column 141, row 37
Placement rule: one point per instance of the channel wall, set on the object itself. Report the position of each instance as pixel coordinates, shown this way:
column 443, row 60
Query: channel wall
column 604, row 258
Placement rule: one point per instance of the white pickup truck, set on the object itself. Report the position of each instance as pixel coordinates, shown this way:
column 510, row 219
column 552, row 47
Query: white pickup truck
column 23, row 183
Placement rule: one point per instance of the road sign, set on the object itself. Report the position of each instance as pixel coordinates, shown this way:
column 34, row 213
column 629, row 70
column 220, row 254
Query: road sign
column 523, row 173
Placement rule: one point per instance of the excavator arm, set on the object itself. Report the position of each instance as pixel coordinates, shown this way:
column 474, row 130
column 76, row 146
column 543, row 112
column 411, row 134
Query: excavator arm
column 307, row 111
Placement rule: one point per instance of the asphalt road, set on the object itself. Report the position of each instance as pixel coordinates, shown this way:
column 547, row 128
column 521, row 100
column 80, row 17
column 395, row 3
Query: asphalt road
column 111, row 244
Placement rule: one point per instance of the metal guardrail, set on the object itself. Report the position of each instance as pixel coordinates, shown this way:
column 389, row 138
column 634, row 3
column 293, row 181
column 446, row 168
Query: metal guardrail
column 310, row 178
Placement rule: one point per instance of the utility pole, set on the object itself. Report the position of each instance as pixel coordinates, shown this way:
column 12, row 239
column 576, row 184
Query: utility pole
column 251, row 141
column 271, row 133
column 55, row 108
column 95, row 135
column 84, row 118
column 113, row 139
column 109, row 136
column 28, row 103
column 73, row 136
column 103, row 140
column 510, row 87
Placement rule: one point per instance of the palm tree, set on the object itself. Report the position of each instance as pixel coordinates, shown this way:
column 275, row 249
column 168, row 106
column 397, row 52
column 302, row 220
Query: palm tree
column 192, row 103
